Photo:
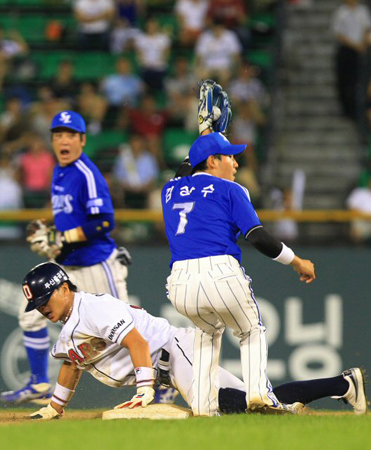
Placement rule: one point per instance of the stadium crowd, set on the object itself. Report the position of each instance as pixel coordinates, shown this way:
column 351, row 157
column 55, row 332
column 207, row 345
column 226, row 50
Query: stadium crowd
column 141, row 108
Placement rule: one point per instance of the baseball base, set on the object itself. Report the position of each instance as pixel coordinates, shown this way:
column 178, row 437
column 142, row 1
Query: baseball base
column 152, row 412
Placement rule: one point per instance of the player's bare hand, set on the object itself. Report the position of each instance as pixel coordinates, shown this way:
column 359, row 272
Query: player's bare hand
column 305, row 269
column 47, row 413
column 143, row 398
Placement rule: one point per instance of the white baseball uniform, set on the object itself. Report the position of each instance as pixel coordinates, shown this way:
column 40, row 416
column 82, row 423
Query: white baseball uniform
column 98, row 323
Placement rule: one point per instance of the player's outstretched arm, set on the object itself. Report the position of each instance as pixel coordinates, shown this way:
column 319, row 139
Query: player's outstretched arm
column 267, row 244
column 144, row 372
column 68, row 379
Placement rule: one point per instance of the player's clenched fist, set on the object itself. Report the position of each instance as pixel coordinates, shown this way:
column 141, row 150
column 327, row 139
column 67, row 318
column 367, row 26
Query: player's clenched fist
column 305, row 269
column 143, row 397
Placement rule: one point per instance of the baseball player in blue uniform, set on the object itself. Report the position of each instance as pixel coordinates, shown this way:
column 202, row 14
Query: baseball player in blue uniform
column 204, row 215
column 80, row 242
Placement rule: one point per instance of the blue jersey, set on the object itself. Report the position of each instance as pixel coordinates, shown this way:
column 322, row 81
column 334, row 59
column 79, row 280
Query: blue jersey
column 78, row 191
column 204, row 215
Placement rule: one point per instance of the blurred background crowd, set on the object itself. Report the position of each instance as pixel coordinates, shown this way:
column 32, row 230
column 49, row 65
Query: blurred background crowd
column 131, row 68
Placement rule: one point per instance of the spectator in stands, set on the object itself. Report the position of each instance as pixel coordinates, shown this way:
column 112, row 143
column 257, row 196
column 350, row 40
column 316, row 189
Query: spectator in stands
column 123, row 88
column 92, row 106
column 218, row 53
column 131, row 11
column 285, row 229
column 43, row 110
column 368, row 104
column 35, row 168
column 136, row 172
column 64, row 85
column 248, row 118
column 126, row 25
column 11, row 197
column 192, row 20
column 234, row 15
column 122, row 36
column 180, row 90
column 12, row 120
column 247, row 86
column 153, row 51
column 12, row 45
column 351, row 25
column 94, row 18
column 149, row 121
column 359, row 200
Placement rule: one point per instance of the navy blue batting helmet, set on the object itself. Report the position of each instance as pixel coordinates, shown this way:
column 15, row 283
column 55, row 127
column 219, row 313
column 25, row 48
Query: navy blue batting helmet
column 40, row 283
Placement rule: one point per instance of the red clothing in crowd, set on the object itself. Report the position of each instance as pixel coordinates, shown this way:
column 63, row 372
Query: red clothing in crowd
column 148, row 124
column 37, row 170
column 230, row 11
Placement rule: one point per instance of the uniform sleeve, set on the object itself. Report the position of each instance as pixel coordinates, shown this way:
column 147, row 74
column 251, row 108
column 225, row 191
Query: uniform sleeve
column 242, row 210
column 94, row 193
column 110, row 319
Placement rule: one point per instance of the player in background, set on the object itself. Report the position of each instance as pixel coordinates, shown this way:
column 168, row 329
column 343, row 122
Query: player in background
column 204, row 215
column 80, row 242
column 122, row 345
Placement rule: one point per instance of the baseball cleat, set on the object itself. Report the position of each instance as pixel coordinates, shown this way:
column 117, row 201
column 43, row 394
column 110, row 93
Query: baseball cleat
column 256, row 406
column 356, row 394
column 31, row 393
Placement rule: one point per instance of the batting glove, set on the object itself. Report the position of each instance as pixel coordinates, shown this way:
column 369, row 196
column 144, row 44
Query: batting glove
column 47, row 413
column 143, row 398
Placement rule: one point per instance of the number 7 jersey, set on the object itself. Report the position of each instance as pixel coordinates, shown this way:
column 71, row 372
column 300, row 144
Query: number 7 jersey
column 204, row 216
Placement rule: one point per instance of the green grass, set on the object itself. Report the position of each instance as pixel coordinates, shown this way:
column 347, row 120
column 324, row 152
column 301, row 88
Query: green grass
column 228, row 432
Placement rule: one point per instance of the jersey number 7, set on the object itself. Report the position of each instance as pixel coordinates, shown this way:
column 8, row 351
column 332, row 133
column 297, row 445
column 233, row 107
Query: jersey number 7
column 184, row 209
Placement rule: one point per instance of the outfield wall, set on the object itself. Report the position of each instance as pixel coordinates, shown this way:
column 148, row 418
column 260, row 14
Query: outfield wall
column 313, row 330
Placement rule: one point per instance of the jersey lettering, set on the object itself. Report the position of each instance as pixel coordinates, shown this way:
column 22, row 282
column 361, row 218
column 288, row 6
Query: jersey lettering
column 91, row 349
column 62, row 203
column 169, row 191
column 208, row 190
column 74, row 357
column 85, row 349
column 186, row 191
column 185, row 208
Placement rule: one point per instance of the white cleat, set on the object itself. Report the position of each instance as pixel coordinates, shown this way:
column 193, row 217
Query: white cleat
column 356, row 394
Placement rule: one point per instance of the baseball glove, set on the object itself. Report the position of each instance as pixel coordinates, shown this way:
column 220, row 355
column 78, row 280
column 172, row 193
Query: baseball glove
column 45, row 240
column 214, row 108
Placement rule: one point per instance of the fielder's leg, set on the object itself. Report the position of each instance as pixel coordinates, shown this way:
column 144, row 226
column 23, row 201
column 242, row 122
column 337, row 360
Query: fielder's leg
column 106, row 277
column 205, row 369
column 37, row 344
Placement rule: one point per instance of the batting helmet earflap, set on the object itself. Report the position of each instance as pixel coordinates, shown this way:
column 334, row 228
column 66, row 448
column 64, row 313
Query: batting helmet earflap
column 40, row 283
